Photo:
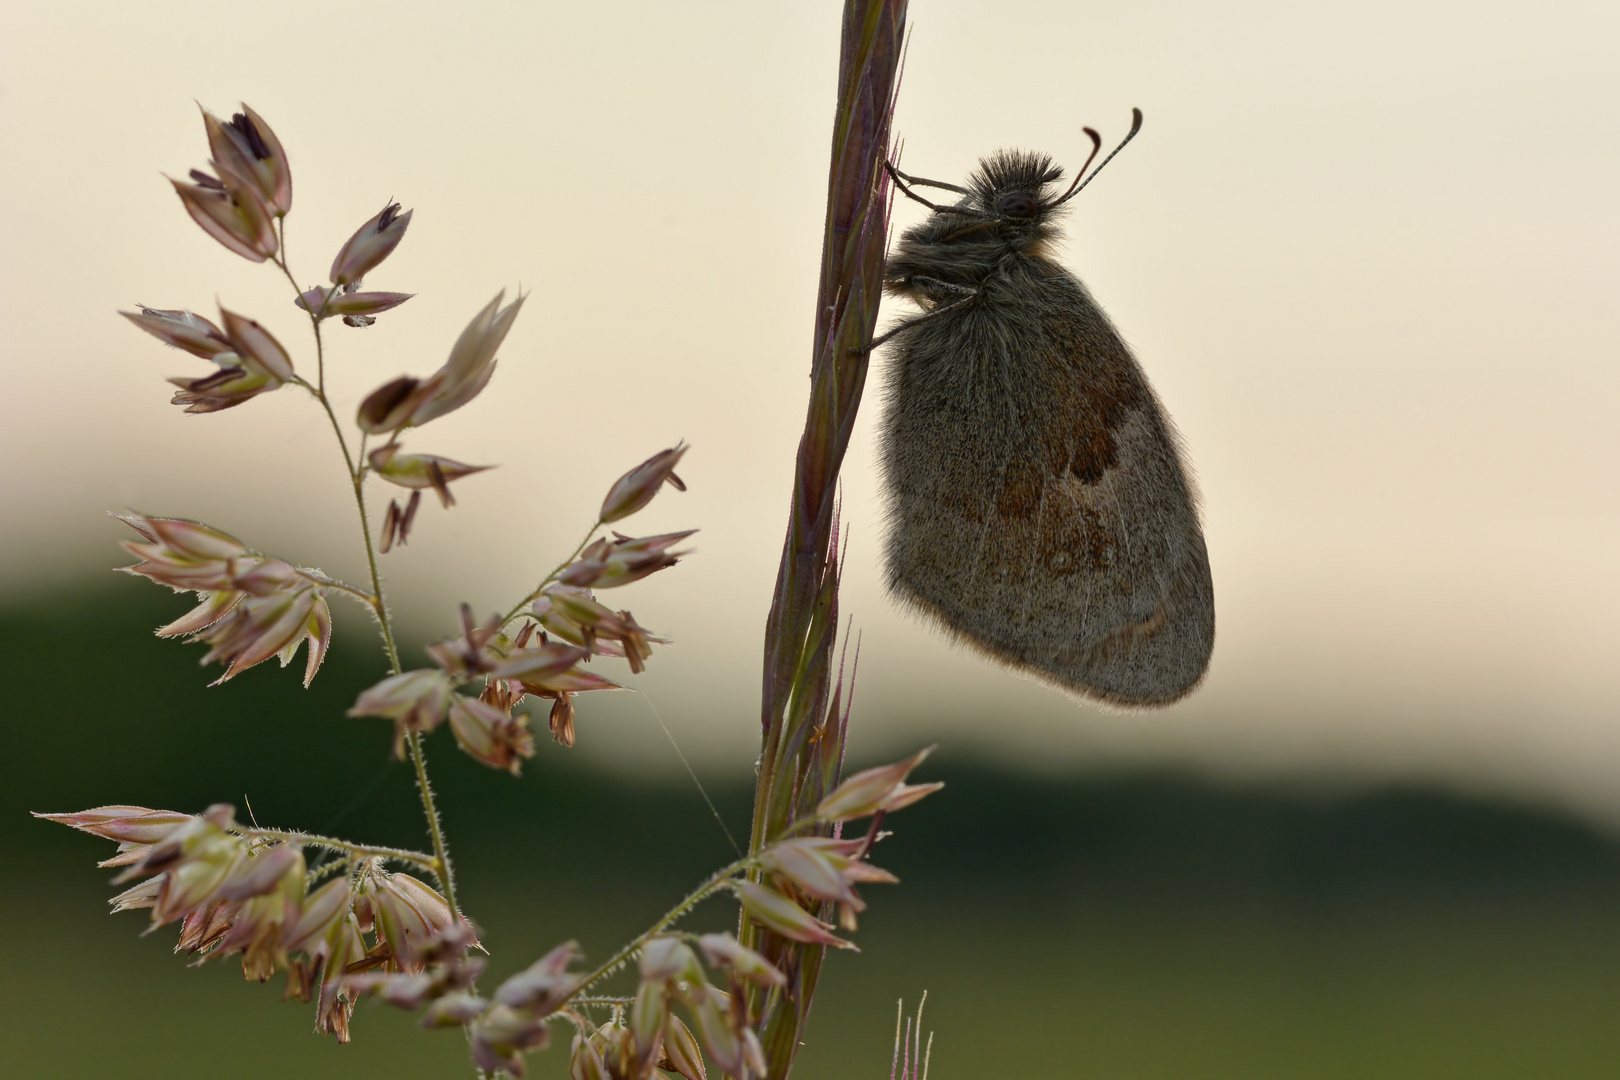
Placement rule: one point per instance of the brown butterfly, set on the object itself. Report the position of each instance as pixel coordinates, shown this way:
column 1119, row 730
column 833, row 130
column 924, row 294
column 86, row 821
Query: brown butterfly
column 1038, row 504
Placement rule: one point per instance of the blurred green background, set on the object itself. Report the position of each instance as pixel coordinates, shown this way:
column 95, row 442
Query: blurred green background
column 1103, row 926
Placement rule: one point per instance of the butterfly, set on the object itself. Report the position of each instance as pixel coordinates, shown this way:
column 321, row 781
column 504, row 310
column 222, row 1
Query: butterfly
column 1039, row 506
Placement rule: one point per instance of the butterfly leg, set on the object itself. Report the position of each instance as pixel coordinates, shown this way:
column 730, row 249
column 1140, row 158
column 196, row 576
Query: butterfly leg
column 966, row 292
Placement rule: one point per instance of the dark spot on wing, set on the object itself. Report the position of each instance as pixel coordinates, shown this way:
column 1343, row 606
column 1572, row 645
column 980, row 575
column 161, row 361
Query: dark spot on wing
column 1021, row 485
column 1093, row 387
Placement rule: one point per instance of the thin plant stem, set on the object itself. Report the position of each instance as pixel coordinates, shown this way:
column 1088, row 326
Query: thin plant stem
column 332, row 843
column 517, row 608
column 379, row 604
column 717, row 881
column 332, row 583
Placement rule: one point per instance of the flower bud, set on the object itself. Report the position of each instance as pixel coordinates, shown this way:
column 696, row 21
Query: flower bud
column 415, row 701
column 665, row 959
column 723, row 950
column 545, row 984
column 324, row 302
column 408, row 401
column 647, row 1018
column 454, row 1010
column 534, row 667
column 371, row 244
column 408, row 913
column 420, row 470
column 184, row 555
column 586, row 1062
column 489, row 735
column 261, row 874
column 275, row 625
column 247, row 152
column 563, row 608
column 232, row 214
column 811, row 870
column 126, row 824
column 872, row 790
column 471, row 363
column 681, row 1051
column 320, row 912
column 777, row 913
column 501, row 1035
column 753, row 1053
column 388, row 407
column 196, row 879
column 636, row 488
column 714, row 1030
column 258, row 349
column 183, row 330
column 255, row 364
column 609, row 564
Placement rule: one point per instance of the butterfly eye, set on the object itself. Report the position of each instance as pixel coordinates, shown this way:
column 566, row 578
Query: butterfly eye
column 1016, row 204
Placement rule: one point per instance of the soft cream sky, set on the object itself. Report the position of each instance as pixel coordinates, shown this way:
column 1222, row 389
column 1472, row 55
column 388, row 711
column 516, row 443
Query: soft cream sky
column 1366, row 252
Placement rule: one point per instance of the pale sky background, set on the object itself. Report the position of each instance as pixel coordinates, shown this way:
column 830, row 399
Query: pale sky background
column 1366, row 252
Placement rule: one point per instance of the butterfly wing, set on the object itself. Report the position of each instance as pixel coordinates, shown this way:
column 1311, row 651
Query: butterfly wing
column 1039, row 507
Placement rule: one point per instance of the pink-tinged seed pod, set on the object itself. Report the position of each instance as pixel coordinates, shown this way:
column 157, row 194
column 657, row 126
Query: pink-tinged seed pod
column 502, row 1034
column 536, row 666
column 261, row 873
column 585, row 1063
column 407, row 914
column 777, row 913
column 753, row 1052
column 325, row 302
column 247, row 152
column 723, row 950
column 184, row 555
column 196, row 879
column 371, row 244
column 636, row 488
column 545, row 984
column 318, row 914
column 224, row 389
column 257, row 348
column 872, row 790
column 666, row 958
column 648, row 1016
column 416, row 701
column 264, row 626
column 125, row 824
column 454, row 1010
column 181, row 329
column 388, row 407
column 616, row 563
column 572, row 681
column 138, row 897
column 811, row 871
column 334, row 1008
column 714, row 1030
column 408, row 401
column 233, row 214
column 189, row 539
column 419, row 471
column 681, row 1054
column 489, row 735
column 471, row 363
column 265, row 577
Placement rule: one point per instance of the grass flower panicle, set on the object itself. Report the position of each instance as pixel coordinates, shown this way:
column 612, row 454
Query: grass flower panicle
column 373, row 921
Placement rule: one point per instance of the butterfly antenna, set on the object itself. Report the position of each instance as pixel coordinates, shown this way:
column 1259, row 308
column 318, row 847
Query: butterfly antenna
column 1078, row 186
column 1096, row 145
